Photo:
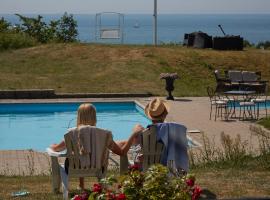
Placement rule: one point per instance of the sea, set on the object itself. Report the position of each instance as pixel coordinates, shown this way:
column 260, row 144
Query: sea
column 138, row 28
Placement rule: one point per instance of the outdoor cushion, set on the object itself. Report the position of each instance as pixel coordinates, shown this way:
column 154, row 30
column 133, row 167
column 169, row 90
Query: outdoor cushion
column 247, row 104
column 235, row 76
column 249, row 76
column 258, row 100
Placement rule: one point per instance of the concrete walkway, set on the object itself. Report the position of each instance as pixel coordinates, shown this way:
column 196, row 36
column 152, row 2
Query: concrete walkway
column 193, row 112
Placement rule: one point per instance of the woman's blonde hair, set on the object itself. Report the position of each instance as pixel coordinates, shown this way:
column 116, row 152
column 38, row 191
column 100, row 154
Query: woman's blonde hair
column 86, row 115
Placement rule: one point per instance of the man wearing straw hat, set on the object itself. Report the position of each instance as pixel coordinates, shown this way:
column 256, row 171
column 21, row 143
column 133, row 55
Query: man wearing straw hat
column 157, row 110
column 172, row 135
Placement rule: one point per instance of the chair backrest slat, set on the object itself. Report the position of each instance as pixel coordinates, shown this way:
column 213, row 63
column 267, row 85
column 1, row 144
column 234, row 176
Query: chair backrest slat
column 151, row 149
column 93, row 160
column 145, row 149
column 72, row 152
column 85, row 148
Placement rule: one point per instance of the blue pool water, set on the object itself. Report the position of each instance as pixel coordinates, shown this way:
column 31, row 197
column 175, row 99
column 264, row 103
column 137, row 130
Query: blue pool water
column 236, row 104
column 36, row 126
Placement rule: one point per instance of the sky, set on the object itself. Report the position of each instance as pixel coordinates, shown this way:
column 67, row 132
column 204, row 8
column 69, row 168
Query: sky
column 134, row 6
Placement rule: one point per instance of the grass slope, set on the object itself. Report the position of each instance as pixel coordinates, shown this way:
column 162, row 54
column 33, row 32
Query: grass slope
column 118, row 68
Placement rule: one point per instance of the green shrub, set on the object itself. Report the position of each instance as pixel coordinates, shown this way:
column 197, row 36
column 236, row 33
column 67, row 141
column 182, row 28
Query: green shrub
column 265, row 45
column 248, row 44
column 15, row 41
column 156, row 183
column 66, row 30
column 232, row 153
column 34, row 27
column 4, row 25
column 63, row 30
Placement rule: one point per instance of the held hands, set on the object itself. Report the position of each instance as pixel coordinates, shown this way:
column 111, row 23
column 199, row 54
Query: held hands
column 52, row 146
column 136, row 132
column 137, row 129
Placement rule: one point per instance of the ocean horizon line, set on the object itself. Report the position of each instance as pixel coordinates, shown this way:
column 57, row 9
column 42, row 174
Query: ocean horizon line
column 74, row 13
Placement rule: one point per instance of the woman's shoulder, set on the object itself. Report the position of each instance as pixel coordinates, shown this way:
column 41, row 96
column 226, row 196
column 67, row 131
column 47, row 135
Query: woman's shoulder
column 71, row 129
column 101, row 130
column 93, row 127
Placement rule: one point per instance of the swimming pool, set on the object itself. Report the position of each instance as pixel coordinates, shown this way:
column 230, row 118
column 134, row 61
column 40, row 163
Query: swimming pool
column 36, row 126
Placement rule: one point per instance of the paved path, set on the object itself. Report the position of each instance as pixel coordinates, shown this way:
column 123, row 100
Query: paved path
column 192, row 112
column 24, row 162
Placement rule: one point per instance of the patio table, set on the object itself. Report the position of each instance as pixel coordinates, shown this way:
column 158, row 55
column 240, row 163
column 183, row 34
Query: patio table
column 235, row 94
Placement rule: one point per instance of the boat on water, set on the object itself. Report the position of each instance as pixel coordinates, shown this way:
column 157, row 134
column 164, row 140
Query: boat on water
column 136, row 25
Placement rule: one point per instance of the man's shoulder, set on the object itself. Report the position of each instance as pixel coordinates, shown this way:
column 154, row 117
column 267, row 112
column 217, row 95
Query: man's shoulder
column 172, row 124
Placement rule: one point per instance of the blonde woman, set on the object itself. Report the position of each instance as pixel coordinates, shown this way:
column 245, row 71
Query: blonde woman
column 87, row 116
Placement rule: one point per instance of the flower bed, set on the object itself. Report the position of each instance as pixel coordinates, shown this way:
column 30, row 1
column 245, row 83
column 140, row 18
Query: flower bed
column 156, row 183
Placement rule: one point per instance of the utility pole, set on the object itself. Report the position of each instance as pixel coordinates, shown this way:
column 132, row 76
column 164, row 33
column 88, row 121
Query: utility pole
column 155, row 23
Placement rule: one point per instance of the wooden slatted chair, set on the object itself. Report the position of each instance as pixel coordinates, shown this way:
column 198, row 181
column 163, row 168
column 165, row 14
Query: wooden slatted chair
column 87, row 154
column 150, row 149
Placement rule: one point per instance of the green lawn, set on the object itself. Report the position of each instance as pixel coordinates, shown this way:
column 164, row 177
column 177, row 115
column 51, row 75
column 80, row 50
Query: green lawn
column 121, row 68
column 265, row 122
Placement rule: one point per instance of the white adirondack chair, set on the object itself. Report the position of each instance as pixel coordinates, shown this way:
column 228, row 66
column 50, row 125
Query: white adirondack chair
column 87, row 153
column 150, row 148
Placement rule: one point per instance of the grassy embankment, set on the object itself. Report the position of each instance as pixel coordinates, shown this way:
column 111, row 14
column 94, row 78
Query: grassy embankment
column 115, row 68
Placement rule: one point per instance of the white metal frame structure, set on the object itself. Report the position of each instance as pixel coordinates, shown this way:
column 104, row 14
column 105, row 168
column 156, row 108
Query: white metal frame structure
column 109, row 31
column 155, row 23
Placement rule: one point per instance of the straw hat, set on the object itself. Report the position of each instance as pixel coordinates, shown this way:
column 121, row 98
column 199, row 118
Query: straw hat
column 157, row 109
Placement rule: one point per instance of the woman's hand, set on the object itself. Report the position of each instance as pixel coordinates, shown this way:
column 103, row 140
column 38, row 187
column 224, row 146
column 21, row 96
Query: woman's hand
column 53, row 146
column 137, row 129
column 58, row 147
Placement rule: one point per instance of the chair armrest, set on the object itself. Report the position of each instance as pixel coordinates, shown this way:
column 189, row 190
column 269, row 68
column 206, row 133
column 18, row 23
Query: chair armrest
column 224, row 80
column 55, row 167
column 53, row 153
column 263, row 81
column 259, row 74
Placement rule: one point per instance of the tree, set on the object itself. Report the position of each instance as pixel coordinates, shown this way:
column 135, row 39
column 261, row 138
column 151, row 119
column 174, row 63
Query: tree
column 4, row 25
column 67, row 29
column 34, row 27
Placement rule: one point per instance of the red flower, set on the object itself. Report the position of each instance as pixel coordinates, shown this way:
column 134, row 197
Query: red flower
column 85, row 196
column 110, row 195
column 190, row 182
column 121, row 196
column 196, row 193
column 97, row 188
column 134, row 167
column 77, row 197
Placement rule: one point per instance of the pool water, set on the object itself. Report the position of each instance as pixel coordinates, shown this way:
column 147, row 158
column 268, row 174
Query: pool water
column 36, row 126
column 236, row 104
